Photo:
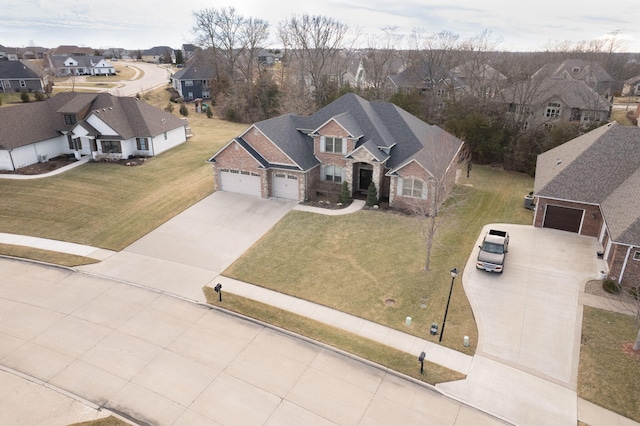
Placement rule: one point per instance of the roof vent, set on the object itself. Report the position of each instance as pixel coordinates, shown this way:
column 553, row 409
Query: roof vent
column 558, row 161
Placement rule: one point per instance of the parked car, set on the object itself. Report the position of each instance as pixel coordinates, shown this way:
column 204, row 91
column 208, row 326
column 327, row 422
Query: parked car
column 493, row 250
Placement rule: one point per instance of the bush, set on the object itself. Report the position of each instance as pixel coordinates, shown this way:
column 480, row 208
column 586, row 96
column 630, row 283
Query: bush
column 372, row 195
column 169, row 107
column 209, row 113
column 183, row 110
column 39, row 96
column 610, row 286
column 24, row 96
column 345, row 196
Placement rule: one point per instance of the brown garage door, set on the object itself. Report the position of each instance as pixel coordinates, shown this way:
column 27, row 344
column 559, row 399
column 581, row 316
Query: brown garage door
column 563, row 218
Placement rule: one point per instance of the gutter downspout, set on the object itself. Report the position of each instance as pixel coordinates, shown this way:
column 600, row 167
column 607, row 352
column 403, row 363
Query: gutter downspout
column 11, row 158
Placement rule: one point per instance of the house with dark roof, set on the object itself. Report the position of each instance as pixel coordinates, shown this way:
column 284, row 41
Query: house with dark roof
column 553, row 100
column 81, row 65
column 80, row 124
column 591, row 186
column 16, row 76
column 159, row 54
column 350, row 140
column 631, row 86
column 589, row 72
column 194, row 81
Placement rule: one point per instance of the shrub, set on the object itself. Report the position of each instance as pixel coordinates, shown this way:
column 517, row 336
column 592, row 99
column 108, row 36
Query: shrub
column 183, row 110
column 39, row 96
column 372, row 195
column 610, row 286
column 24, row 96
column 209, row 113
column 169, row 107
column 345, row 196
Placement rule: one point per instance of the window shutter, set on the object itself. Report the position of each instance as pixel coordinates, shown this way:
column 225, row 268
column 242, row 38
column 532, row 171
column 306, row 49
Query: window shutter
column 322, row 146
column 344, row 145
column 344, row 174
column 425, row 190
column 399, row 187
column 323, row 172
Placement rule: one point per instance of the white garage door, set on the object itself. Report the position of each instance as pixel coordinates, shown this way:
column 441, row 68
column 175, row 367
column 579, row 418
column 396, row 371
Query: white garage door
column 240, row 181
column 285, row 186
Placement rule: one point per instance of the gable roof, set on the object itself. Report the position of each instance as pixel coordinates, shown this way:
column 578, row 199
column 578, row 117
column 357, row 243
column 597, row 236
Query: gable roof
column 199, row 70
column 126, row 115
column 574, row 93
column 586, row 70
column 600, row 167
column 16, row 70
column 387, row 131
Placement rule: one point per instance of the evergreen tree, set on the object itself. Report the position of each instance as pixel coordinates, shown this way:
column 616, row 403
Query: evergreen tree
column 345, row 196
column 372, row 195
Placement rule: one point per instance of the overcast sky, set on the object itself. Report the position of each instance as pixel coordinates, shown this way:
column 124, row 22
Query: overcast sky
column 141, row 24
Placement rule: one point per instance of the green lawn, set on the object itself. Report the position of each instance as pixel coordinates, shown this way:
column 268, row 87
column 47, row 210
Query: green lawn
column 355, row 263
column 109, row 205
column 608, row 376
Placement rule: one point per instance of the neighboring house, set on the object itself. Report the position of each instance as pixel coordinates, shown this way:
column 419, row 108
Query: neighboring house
column 631, row 87
column 356, row 75
column 16, row 76
column 31, row 52
column 591, row 73
column 100, row 125
column 158, row 54
column 81, row 65
column 556, row 100
column 479, row 79
column 69, row 50
column 12, row 53
column 350, row 140
column 423, row 78
column 188, row 51
column 591, row 186
column 3, row 52
column 266, row 58
column 193, row 82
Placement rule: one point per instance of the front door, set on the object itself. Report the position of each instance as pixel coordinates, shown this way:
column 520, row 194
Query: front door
column 365, row 176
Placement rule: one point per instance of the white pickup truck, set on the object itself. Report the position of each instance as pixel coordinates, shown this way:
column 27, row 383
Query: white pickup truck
column 493, row 250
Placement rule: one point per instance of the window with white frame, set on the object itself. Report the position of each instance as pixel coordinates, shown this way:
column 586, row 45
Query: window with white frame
column 412, row 187
column 332, row 144
column 636, row 255
column 553, row 110
column 188, row 82
column 206, row 94
column 332, row 173
column 23, row 83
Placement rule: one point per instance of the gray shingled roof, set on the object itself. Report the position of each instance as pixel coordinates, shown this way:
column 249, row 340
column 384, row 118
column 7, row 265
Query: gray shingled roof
column 588, row 69
column 16, row 70
column 574, row 93
column 601, row 167
column 45, row 120
column 381, row 125
column 199, row 70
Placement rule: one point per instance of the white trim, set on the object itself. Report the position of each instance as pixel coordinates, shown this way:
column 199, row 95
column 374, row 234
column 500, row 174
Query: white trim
column 624, row 265
column 608, row 249
column 240, row 145
column 602, row 231
column 253, row 126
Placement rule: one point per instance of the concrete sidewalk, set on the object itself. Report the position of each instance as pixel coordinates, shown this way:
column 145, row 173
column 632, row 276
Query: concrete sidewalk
column 55, row 245
column 80, row 162
column 404, row 342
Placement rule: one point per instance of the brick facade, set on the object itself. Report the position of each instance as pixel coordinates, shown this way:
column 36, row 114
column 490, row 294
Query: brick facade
column 265, row 147
column 413, row 170
column 592, row 220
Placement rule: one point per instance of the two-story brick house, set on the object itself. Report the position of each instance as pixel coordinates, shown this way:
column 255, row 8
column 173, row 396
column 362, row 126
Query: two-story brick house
column 591, row 186
column 350, row 140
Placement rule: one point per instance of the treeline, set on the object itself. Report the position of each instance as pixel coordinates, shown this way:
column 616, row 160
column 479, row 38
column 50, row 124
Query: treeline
column 321, row 59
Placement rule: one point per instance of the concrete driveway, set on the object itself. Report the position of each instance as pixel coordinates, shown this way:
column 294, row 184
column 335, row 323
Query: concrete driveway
column 162, row 360
column 529, row 324
column 192, row 249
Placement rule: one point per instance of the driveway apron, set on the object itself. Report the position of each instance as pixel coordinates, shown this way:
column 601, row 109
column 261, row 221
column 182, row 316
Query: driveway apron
column 529, row 325
column 187, row 252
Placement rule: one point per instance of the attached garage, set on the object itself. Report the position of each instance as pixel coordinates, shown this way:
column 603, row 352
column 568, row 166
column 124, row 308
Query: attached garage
column 286, row 186
column 240, row 181
column 563, row 218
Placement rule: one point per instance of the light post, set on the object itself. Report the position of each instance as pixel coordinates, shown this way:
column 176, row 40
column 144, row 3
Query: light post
column 454, row 274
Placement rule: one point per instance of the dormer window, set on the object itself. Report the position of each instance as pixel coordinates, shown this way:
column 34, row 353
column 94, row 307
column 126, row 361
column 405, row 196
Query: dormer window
column 69, row 119
column 575, row 70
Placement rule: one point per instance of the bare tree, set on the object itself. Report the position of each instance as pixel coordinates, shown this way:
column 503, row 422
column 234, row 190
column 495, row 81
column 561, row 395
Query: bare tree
column 254, row 34
column 380, row 58
column 432, row 213
column 315, row 43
